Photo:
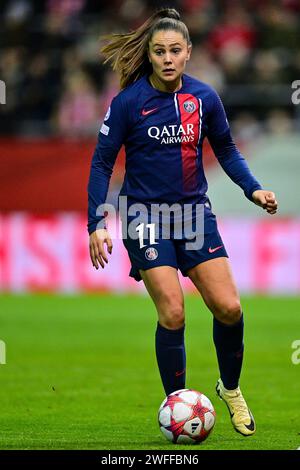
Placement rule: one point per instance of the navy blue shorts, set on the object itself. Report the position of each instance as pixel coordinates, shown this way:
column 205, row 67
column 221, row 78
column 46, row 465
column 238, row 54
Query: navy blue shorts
column 159, row 251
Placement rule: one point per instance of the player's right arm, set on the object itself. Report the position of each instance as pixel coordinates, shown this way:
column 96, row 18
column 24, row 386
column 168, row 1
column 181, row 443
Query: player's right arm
column 98, row 239
column 112, row 135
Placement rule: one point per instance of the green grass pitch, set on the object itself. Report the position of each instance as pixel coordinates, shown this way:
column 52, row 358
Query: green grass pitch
column 81, row 373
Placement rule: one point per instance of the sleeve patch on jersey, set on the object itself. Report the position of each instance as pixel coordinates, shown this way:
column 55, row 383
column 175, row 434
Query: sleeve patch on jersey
column 104, row 129
column 107, row 114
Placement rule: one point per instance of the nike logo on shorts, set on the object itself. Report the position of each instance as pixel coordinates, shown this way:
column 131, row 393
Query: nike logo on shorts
column 212, row 250
column 148, row 111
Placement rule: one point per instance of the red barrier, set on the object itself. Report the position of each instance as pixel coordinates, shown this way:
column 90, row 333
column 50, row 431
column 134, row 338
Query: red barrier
column 47, row 175
column 51, row 253
column 52, row 174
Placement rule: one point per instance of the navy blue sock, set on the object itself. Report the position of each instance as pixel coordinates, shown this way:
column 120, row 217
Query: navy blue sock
column 229, row 345
column 171, row 360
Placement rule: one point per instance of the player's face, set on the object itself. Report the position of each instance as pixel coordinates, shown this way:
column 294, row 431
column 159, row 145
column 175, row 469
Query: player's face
column 168, row 54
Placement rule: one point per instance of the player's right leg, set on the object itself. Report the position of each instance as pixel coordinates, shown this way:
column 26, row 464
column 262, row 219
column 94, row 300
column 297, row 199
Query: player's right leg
column 153, row 260
column 163, row 285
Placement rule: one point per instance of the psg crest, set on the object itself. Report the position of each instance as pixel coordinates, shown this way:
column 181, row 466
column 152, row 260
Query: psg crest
column 151, row 254
column 189, row 106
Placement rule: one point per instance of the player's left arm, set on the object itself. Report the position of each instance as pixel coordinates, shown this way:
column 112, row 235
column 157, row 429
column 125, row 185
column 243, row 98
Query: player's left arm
column 266, row 200
column 231, row 160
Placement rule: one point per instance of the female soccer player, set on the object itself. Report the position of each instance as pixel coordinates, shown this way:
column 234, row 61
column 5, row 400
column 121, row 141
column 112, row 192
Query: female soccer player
column 162, row 116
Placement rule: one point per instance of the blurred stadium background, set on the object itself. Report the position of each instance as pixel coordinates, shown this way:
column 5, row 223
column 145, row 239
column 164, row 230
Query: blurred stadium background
column 65, row 352
column 57, row 92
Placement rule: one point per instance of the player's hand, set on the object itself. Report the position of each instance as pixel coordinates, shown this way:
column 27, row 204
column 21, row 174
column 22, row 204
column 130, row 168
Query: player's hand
column 266, row 200
column 96, row 245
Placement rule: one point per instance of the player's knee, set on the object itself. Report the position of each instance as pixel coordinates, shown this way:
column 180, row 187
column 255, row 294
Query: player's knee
column 230, row 312
column 172, row 313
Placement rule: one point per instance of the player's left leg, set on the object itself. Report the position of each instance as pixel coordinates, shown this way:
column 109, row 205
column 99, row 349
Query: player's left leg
column 214, row 281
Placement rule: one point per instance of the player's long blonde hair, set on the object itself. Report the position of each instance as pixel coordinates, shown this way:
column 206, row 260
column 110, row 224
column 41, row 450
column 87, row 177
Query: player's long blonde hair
column 127, row 53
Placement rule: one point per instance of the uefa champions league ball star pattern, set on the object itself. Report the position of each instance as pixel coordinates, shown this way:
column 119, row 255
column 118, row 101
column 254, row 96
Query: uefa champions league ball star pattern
column 186, row 417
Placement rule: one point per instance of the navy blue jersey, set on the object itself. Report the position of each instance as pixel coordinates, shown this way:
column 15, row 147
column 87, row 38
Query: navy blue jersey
column 163, row 134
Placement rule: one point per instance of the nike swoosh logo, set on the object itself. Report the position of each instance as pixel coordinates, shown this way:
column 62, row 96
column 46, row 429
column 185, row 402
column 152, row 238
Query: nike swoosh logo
column 148, row 111
column 212, row 250
column 250, row 426
column 177, row 374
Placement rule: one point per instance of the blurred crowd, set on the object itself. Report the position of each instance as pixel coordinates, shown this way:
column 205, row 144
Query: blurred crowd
column 56, row 84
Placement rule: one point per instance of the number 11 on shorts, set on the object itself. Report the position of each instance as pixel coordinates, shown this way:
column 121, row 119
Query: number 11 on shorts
column 140, row 229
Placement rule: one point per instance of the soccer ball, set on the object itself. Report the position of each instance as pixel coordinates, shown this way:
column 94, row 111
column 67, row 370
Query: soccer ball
column 186, row 417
